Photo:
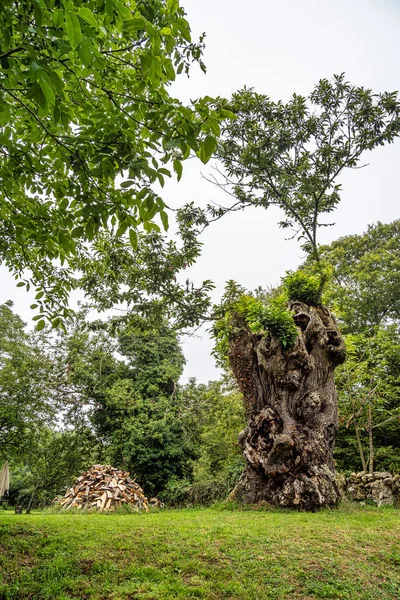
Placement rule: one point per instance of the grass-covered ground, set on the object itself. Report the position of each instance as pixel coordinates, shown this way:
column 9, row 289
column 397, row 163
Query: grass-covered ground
column 352, row 553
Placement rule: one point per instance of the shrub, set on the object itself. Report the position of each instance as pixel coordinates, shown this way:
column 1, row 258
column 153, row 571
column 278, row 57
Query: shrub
column 304, row 287
column 206, row 491
column 261, row 317
column 273, row 317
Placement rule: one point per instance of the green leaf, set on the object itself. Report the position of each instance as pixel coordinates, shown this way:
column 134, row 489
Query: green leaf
column 164, row 219
column 207, row 148
column 133, row 238
column 58, row 17
column 149, row 226
column 87, row 15
column 5, row 116
column 121, row 229
column 215, row 128
column 154, row 70
column 39, row 96
column 85, row 53
column 73, row 29
column 41, row 325
column 124, row 11
column 178, row 168
column 169, row 70
column 77, row 232
column 227, row 114
column 89, row 231
column 21, row 284
column 45, row 86
column 172, row 6
column 128, row 183
column 135, row 24
column 56, row 81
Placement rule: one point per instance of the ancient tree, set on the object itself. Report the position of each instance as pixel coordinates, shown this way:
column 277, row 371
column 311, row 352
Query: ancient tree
column 291, row 409
column 283, row 352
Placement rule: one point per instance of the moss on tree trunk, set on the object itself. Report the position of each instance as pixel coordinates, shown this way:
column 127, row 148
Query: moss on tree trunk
column 291, row 408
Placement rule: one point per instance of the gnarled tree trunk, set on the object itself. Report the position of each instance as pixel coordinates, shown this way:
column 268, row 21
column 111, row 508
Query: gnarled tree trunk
column 291, row 409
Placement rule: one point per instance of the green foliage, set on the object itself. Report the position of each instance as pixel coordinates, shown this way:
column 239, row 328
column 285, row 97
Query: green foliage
column 274, row 318
column 212, row 417
column 26, row 391
column 369, row 381
column 83, row 102
column 148, row 281
column 128, row 386
column 239, row 310
column 364, row 290
column 290, row 154
column 118, row 394
column 303, row 287
column 49, row 463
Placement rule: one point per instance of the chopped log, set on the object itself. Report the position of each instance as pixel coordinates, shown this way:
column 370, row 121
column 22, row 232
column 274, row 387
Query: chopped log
column 104, row 488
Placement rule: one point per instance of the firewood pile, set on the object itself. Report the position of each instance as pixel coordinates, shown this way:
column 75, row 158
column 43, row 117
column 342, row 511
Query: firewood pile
column 104, row 488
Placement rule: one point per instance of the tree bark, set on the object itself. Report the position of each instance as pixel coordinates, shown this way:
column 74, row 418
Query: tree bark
column 371, row 440
column 29, row 507
column 291, row 408
column 360, row 448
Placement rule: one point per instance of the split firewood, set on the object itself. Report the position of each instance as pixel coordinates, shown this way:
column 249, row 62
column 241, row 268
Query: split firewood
column 156, row 503
column 104, row 488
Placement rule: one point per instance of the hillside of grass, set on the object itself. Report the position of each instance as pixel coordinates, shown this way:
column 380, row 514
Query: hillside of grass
column 351, row 553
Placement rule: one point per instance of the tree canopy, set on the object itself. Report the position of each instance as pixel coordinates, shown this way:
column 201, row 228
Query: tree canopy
column 368, row 386
column 26, row 386
column 290, row 154
column 364, row 289
column 83, row 103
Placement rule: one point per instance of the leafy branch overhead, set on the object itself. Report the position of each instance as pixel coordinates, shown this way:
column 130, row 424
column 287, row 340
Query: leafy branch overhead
column 290, row 154
column 83, row 103
column 147, row 283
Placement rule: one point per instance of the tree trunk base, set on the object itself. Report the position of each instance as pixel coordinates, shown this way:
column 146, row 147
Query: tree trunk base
column 304, row 491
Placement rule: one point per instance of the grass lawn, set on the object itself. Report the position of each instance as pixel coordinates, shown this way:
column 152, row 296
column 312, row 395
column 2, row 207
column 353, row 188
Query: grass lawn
column 352, row 553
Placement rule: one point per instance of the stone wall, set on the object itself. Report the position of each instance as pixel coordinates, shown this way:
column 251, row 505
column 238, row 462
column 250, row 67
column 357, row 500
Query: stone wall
column 380, row 488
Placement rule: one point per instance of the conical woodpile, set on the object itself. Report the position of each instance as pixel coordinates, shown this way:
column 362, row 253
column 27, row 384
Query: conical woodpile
column 104, row 488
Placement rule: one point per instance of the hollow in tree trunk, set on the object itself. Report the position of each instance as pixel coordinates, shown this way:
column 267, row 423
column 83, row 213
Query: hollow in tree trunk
column 291, row 409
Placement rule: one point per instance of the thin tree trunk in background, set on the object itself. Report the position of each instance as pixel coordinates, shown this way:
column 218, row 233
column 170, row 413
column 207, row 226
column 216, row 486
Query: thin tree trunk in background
column 360, row 448
column 371, row 441
column 291, row 409
column 31, row 499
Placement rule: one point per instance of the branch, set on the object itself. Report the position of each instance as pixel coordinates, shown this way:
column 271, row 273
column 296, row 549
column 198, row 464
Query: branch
column 10, row 52
column 387, row 421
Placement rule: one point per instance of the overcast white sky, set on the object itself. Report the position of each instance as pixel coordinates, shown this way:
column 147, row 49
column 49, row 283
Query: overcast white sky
column 280, row 47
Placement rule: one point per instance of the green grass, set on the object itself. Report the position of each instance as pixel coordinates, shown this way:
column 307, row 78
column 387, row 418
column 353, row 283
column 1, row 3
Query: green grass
column 352, row 553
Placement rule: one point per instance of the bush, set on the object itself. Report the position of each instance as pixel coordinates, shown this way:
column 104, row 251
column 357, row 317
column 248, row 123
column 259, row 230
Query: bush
column 261, row 317
column 273, row 317
column 303, row 287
